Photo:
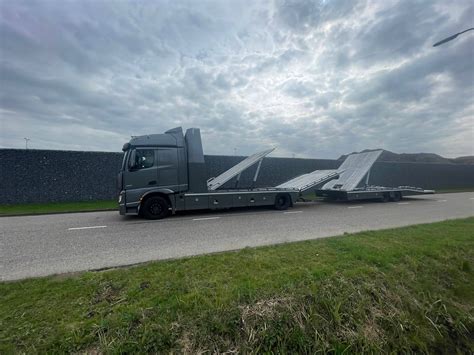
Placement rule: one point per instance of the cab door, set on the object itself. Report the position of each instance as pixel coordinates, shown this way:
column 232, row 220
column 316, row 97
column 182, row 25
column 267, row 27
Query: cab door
column 168, row 167
column 142, row 169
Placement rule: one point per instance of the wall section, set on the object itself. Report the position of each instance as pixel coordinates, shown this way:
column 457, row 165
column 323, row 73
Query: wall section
column 38, row 176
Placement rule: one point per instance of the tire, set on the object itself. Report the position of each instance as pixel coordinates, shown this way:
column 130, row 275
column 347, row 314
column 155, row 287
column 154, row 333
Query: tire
column 155, row 207
column 385, row 197
column 282, row 202
column 397, row 196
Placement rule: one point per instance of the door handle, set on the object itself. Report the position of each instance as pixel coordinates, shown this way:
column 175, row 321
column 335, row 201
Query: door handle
column 153, row 182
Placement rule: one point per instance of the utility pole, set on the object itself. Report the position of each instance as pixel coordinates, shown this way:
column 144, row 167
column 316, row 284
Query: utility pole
column 26, row 142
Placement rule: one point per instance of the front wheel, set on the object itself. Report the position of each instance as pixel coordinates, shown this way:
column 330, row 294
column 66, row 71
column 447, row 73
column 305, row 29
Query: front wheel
column 282, row 202
column 155, row 207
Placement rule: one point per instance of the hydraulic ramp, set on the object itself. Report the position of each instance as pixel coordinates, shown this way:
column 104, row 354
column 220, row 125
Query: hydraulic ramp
column 354, row 169
column 236, row 170
column 346, row 177
column 308, row 181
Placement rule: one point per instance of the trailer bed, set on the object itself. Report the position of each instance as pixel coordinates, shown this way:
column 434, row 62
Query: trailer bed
column 373, row 193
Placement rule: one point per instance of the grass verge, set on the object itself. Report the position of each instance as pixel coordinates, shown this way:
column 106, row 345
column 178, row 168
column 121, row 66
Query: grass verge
column 57, row 207
column 400, row 290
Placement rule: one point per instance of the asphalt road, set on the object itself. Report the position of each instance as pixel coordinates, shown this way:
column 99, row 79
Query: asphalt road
column 50, row 244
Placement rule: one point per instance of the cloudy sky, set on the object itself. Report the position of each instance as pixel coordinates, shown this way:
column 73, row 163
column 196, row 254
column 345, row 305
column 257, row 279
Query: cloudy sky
column 314, row 78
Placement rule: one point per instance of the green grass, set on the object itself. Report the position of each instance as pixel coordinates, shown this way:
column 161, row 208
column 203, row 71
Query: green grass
column 400, row 290
column 36, row 208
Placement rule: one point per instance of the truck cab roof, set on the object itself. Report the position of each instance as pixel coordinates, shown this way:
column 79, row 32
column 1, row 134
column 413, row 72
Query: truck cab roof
column 172, row 138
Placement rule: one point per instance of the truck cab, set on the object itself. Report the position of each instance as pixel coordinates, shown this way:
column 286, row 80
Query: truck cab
column 156, row 167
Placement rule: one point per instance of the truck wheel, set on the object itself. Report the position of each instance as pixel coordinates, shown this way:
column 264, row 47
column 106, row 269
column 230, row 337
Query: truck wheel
column 282, row 202
column 397, row 196
column 155, row 207
column 385, row 197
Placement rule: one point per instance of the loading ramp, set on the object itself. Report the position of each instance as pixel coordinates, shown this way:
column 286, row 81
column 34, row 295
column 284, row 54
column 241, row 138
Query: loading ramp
column 354, row 168
column 216, row 182
column 308, row 181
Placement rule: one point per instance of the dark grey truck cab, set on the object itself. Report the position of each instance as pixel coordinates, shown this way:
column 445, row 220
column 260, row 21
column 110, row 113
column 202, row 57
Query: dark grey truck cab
column 165, row 173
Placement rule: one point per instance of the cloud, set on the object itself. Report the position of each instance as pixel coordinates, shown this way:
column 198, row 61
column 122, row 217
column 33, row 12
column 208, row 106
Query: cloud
column 315, row 78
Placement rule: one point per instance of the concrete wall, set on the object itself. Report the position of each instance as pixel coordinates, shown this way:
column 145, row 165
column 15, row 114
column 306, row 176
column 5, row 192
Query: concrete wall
column 30, row 176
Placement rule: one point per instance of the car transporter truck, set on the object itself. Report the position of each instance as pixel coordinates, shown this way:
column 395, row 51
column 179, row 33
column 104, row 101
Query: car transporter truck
column 166, row 173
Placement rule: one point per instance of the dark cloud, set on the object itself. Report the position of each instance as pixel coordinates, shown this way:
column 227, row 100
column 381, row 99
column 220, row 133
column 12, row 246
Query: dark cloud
column 316, row 78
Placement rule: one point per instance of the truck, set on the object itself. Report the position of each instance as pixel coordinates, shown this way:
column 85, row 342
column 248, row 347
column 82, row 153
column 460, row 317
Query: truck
column 162, row 174
column 166, row 173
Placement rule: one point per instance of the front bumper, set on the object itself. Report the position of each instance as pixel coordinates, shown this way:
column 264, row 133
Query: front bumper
column 127, row 208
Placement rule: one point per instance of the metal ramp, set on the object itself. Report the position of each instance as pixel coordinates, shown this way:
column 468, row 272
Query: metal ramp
column 236, row 170
column 307, row 181
column 355, row 168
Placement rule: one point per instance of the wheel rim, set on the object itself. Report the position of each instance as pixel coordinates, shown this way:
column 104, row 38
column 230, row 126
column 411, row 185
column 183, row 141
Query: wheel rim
column 155, row 209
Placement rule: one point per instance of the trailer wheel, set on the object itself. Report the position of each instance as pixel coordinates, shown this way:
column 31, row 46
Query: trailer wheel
column 155, row 207
column 385, row 197
column 282, row 202
column 397, row 196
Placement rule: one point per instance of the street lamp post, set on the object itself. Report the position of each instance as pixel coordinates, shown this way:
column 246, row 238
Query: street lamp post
column 26, row 142
column 450, row 38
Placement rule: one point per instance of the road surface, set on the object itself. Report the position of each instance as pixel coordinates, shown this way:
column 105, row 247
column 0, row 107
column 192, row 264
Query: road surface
column 50, row 244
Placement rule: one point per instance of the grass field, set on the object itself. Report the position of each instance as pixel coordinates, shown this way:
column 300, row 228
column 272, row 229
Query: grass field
column 57, row 207
column 400, row 290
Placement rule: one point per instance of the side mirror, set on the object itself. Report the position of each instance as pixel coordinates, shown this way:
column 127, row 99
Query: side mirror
column 132, row 160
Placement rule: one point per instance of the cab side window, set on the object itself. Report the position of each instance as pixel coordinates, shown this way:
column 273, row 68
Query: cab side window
column 168, row 157
column 144, row 158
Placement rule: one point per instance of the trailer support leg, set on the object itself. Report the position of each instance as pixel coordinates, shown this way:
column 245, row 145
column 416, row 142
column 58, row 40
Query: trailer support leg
column 237, row 181
column 257, row 172
column 367, row 178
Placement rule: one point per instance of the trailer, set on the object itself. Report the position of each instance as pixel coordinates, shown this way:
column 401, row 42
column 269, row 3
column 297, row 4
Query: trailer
column 354, row 182
column 166, row 173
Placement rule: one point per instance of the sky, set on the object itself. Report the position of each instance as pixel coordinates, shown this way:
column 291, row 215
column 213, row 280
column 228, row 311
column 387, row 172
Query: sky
column 313, row 78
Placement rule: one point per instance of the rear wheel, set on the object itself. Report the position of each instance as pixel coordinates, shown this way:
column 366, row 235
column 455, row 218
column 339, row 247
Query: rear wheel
column 385, row 197
column 155, row 207
column 397, row 196
column 282, row 202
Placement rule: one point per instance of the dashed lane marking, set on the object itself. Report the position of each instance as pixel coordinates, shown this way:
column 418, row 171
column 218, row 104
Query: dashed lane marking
column 404, row 203
column 205, row 218
column 442, row 200
column 288, row 212
column 355, row 206
column 91, row 227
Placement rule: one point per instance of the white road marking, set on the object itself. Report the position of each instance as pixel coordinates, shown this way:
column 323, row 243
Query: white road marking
column 205, row 218
column 288, row 212
column 355, row 206
column 404, row 203
column 442, row 200
column 92, row 227
column 471, row 198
